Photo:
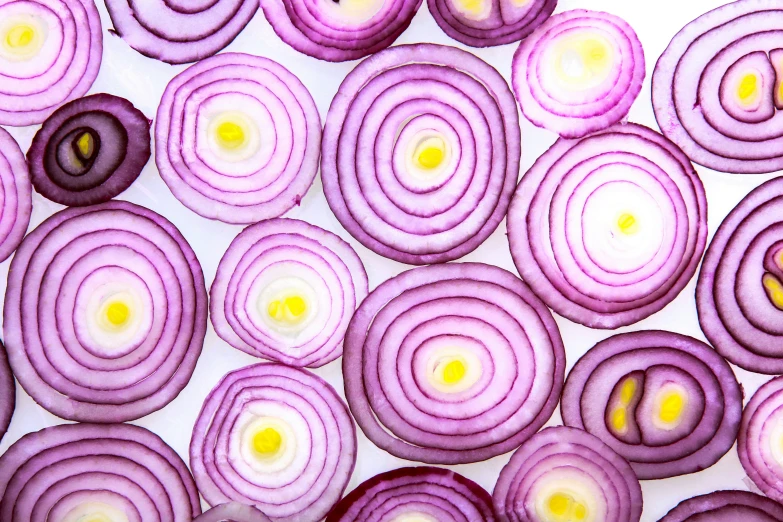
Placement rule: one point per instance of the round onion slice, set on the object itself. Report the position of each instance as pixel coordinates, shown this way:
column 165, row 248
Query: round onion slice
column 232, row 512
column 726, row 506
column 452, row 363
column 237, row 138
column 180, row 31
column 50, row 53
column 579, row 72
column 421, row 152
column 16, row 195
column 607, row 230
column 275, row 437
column 285, row 290
column 116, row 472
column 339, row 30
column 105, row 313
column 666, row 402
column 415, row 494
column 567, row 474
column 7, row 392
column 89, row 150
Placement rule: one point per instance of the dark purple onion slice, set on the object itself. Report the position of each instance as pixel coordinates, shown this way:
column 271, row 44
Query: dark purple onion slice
column 105, row 313
column 415, row 494
column 421, row 152
column 180, row 31
column 666, row 402
column 567, row 474
column 109, row 472
column 726, row 506
column 7, row 392
column 276, row 437
column 232, row 512
column 16, row 199
column 452, row 363
column 237, row 138
column 89, row 150
column 607, row 230
column 285, row 290
column 579, row 72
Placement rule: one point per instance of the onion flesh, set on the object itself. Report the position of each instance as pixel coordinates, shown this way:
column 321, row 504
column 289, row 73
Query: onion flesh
column 7, row 392
column 726, row 506
column 232, row 512
column 16, row 195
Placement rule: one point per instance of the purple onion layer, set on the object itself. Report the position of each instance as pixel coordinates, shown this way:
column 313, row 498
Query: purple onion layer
column 7, row 392
column 16, row 200
column 232, row 512
column 726, row 506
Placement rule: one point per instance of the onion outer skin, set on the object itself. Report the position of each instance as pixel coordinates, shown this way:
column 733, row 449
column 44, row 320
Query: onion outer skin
column 17, row 200
column 7, row 392
column 232, row 512
column 724, row 505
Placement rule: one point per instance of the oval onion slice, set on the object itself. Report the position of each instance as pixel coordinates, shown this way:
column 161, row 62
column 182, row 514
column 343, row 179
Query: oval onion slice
column 111, row 472
column 50, row 53
column 105, row 313
column 180, row 31
column 421, row 152
column 567, row 474
column 237, row 138
column 285, row 290
column 726, row 506
column 452, row 363
column 420, row 494
column 232, row 512
column 666, row 402
column 7, row 392
column 579, row 72
column 275, row 437
column 607, row 230
column 16, row 195
column 89, row 150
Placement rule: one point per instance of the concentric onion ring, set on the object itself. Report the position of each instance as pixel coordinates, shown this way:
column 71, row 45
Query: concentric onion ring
column 105, row 313
column 421, row 152
column 7, row 392
column 579, row 72
column 666, row 402
column 726, row 506
column 50, row 53
column 113, row 472
column 415, row 494
column 285, row 290
column 16, row 195
column 607, row 230
column 237, row 138
column 275, row 437
column 89, row 150
column 567, row 474
column 452, row 363
column 180, row 31
column 232, row 512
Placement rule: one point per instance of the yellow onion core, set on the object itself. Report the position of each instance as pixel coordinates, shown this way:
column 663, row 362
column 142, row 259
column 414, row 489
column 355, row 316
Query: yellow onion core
column 267, row 442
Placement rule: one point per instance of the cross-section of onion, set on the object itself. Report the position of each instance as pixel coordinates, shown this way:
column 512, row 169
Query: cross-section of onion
column 7, row 392
column 726, row 506
column 16, row 201
column 232, row 512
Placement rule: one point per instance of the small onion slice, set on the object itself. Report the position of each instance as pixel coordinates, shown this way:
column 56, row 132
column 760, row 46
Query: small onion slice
column 666, row 402
column 275, row 437
column 89, row 150
column 232, row 512
column 579, row 72
column 112, row 472
column 567, row 474
column 16, row 195
column 421, row 152
column 7, row 392
column 237, row 138
column 105, row 313
column 607, row 230
column 726, row 506
column 420, row 494
column 452, row 363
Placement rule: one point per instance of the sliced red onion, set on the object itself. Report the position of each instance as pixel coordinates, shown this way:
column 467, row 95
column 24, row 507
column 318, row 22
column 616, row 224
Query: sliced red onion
column 89, row 150
column 232, row 512
column 7, row 392
column 666, row 402
column 16, row 201
column 452, row 363
column 726, row 506
column 180, row 31
column 579, row 72
column 95, row 472
column 567, row 474
column 415, row 494
column 237, row 138
column 105, row 313
column 276, row 437
column 421, row 152
column 607, row 230
column 50, row 53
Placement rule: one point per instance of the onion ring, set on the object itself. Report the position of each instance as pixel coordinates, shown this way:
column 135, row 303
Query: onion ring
column 726, row 506
column 16, row 195
column 232, row 512
column 7, row 392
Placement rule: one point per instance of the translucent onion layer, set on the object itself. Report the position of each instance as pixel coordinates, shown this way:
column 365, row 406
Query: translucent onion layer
column 232, row 512
column 7, row 392
column 16, row 195
column 726, row 506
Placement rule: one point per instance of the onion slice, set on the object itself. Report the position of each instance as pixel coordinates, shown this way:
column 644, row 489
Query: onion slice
column 16, row 195
column 232, row 512
column 7, row 392
column 726, row 506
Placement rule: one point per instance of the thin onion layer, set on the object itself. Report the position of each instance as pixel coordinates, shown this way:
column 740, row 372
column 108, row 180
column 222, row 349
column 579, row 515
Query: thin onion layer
column 7, row 392
column 16, row 195
column 726, row 506
column 232, row 512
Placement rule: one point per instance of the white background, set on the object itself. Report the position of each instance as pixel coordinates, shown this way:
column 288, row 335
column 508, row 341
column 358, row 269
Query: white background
column 142, row 80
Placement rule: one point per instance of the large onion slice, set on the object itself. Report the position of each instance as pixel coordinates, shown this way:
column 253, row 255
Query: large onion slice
column 415, row 494
column 237, row 138
column 726, row 506
column 7, row 392
column 285, row 290
column 567, row 474
column 89, row 150
column 579, row 72
column 666, row 402
column 111, row 472
column 105, row 313
column 452, row 363
column 421, row 152
column 608, row 229
column 232, row 512
column 275, row 437
column 16, row 198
